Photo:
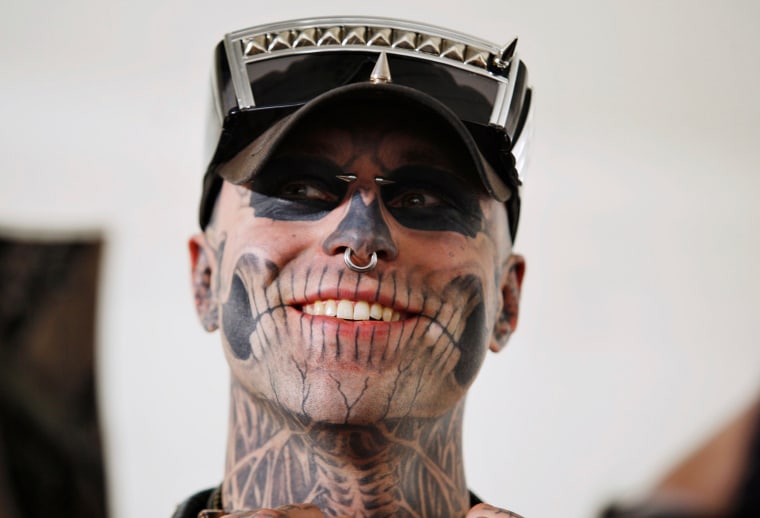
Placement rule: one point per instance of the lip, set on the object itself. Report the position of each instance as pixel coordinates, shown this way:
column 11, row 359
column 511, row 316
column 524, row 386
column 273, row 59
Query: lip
column 366, row 338
column 359, row 333
column 351, row 344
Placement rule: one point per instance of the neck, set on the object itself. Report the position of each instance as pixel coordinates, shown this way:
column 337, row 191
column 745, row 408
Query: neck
column 409, row 467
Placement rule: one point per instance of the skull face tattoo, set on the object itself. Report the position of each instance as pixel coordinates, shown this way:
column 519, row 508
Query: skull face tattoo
column 332, row 345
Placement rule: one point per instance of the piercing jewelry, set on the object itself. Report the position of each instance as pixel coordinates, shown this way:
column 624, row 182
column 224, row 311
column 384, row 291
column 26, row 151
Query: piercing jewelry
column 351, row 178
column 355, row 267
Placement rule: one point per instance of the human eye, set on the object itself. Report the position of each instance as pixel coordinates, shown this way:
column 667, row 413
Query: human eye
column 300, row 182
column 417, row 199
column 425, row 198
column 305, row 190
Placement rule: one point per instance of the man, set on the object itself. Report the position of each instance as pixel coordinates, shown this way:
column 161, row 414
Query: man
column 358, row 215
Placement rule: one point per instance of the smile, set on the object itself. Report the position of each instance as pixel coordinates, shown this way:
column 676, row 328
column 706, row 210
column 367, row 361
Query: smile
column 351, row 310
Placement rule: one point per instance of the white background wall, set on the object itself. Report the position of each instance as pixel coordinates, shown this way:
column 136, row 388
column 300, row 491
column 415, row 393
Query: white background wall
column 639, row 323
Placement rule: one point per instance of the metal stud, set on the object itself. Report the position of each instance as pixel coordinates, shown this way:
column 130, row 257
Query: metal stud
column 380, row 37
column 355, row 36
column 382, row 71
column 279, row 41
column 404, row 40
column 476, row 57
column 453, row 50
column 429, row 44
column 305, row 38
column 331, row 36
column 379, row 180
column 507, row 53
column 254, row 45
column 348, row 178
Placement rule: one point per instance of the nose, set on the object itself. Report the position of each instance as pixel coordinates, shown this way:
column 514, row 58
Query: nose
column 364, row 230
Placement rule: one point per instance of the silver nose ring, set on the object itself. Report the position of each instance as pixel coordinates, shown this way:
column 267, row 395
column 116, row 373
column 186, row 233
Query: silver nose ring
column 355, row 267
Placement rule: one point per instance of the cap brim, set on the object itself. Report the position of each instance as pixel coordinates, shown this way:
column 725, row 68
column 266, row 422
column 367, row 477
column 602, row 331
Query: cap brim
column 244, row 166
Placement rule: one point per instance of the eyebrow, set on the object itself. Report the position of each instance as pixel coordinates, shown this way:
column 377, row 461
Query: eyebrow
column 415, row 155
column 310, row 147
column 313, row 162
column 307, row 149
column 432, row 175
column 439, row 161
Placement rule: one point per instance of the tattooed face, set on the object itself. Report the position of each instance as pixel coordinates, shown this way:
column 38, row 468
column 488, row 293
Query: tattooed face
column 303, row 331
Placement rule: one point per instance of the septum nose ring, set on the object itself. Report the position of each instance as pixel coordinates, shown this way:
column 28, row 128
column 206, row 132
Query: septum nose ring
column 355, row 267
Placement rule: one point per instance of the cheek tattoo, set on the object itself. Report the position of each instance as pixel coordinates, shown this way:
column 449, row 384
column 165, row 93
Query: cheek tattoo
column 474, row 335
column 449, row 333
column 238, row 318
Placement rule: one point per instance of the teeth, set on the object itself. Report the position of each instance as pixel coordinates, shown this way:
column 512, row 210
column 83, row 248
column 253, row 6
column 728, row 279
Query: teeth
column 345, row 309
column 361, row 311
column 351, row 310
column 331, row 308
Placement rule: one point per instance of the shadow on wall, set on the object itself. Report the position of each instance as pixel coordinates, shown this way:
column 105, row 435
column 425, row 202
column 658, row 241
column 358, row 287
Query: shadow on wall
column 50, row 453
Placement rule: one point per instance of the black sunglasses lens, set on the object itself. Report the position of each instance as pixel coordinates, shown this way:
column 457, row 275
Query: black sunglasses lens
column 297, row 79
column 470, row 96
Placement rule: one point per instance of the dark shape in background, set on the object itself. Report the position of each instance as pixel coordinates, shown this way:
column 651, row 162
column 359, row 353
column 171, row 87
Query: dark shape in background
column 720, row 479
column 50, row 452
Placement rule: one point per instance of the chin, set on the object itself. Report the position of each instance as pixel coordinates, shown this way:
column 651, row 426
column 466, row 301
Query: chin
column 364, row 399
column 325, row 388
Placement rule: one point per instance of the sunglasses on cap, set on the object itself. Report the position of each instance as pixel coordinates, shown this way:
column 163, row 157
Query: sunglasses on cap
column 268, row 72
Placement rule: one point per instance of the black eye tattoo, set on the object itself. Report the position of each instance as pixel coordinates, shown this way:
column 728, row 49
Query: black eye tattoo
column 297, row 189
column 425, row 198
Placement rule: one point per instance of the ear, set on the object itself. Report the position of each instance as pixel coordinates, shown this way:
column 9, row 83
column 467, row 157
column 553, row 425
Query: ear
column 206, row 305
column 511, row 286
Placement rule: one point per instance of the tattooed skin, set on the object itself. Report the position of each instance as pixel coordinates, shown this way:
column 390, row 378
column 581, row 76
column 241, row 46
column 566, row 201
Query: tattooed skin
column 436, row 348
column 348, row 388
column 277, row 458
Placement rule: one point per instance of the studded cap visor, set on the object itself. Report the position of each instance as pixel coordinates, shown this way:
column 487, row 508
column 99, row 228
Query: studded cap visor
column 268, row 78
